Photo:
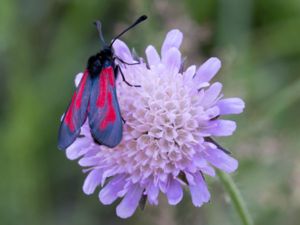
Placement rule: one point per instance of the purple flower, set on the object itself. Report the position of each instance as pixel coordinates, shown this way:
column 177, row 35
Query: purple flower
column 167, row 139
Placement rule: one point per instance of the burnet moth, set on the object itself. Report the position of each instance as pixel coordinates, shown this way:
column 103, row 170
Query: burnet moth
column 95, row 98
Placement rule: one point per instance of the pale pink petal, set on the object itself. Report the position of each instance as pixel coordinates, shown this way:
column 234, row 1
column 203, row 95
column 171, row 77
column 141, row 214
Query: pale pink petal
column 198, row 86
column 211, row 94
column 221, row 127
column 92, row 181
column 163, row 184
column 78, row 148
column 212, row 112
column 221, row 160
column 173, row 39
column 130, row 202
column 231, row 106
column 208, row 170
column 152, row 192
column 109, row 193
column 198, row 189
column 152, row 56
column 109, row 172
column 201, row 164
column 92, row 152
column 198, row 160
column 172, row 60
column 190, row 179
column 174, row 192
column 208, row 70
column 88, row 161
column 122, row 51
column 189, row 73
column 78, row 79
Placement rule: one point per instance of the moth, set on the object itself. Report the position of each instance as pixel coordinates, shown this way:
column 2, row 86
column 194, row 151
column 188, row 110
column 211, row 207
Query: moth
column 95, row 98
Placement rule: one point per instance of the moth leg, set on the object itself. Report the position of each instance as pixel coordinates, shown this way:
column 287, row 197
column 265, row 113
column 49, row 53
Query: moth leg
column 126, row 63
column 209, row 139
column 124, row 121
column 123, row 77
column 95, row 141
column 143, row 201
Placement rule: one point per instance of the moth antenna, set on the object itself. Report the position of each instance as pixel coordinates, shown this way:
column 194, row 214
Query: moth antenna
column 139, row 20
column 98, row 25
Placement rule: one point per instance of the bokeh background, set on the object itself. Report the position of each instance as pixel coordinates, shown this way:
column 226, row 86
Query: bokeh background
column 43, row 44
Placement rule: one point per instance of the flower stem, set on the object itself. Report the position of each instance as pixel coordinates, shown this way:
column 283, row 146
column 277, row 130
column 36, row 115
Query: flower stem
column 235, row 197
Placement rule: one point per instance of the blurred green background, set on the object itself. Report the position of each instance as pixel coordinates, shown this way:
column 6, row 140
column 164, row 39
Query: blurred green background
column 43, row 44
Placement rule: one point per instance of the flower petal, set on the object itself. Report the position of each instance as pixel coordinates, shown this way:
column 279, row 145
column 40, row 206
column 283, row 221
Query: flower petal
column 212, row 112
column 173, row 39
column 152, row 194
column 207, row 70
column 92, row 181
column 109, row 193
column 220, row 159
column 211, row 94
column 201, row 164
column 78, row 79
column 130, row 202
column 208, row 170
column 152, row 56
column 122, row 51
column 221, row 127
column 189, row 73
column 172, row 60
column 88, row 161
column 231, row 106
column 199, row 191
column 174, row 192
column 78, row 148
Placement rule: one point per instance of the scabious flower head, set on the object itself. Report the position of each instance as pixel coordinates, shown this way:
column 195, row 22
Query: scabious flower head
column 167, row 138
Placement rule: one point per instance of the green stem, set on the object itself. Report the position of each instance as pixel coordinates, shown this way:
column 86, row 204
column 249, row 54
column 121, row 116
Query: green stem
column 236, row 197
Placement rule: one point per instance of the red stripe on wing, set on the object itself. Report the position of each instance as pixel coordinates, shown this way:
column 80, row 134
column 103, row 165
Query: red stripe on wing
column 102, row 90
column 81, row 89
column 104, row 114
column 69, row 115
column 76, row 99
column 110, row 115
column 106, row 84
column 106, row 78
column 111, row 76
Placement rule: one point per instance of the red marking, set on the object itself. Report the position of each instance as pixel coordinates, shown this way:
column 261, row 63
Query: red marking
column 106, row 77
column 69, row 115
column 76, row 99
column 81, row 89
column 110, row 116
column 102, row 90
column 110, row 74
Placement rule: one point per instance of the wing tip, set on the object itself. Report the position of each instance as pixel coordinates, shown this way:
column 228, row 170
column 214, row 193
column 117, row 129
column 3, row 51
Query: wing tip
column 105, row 143
column 62, row 146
